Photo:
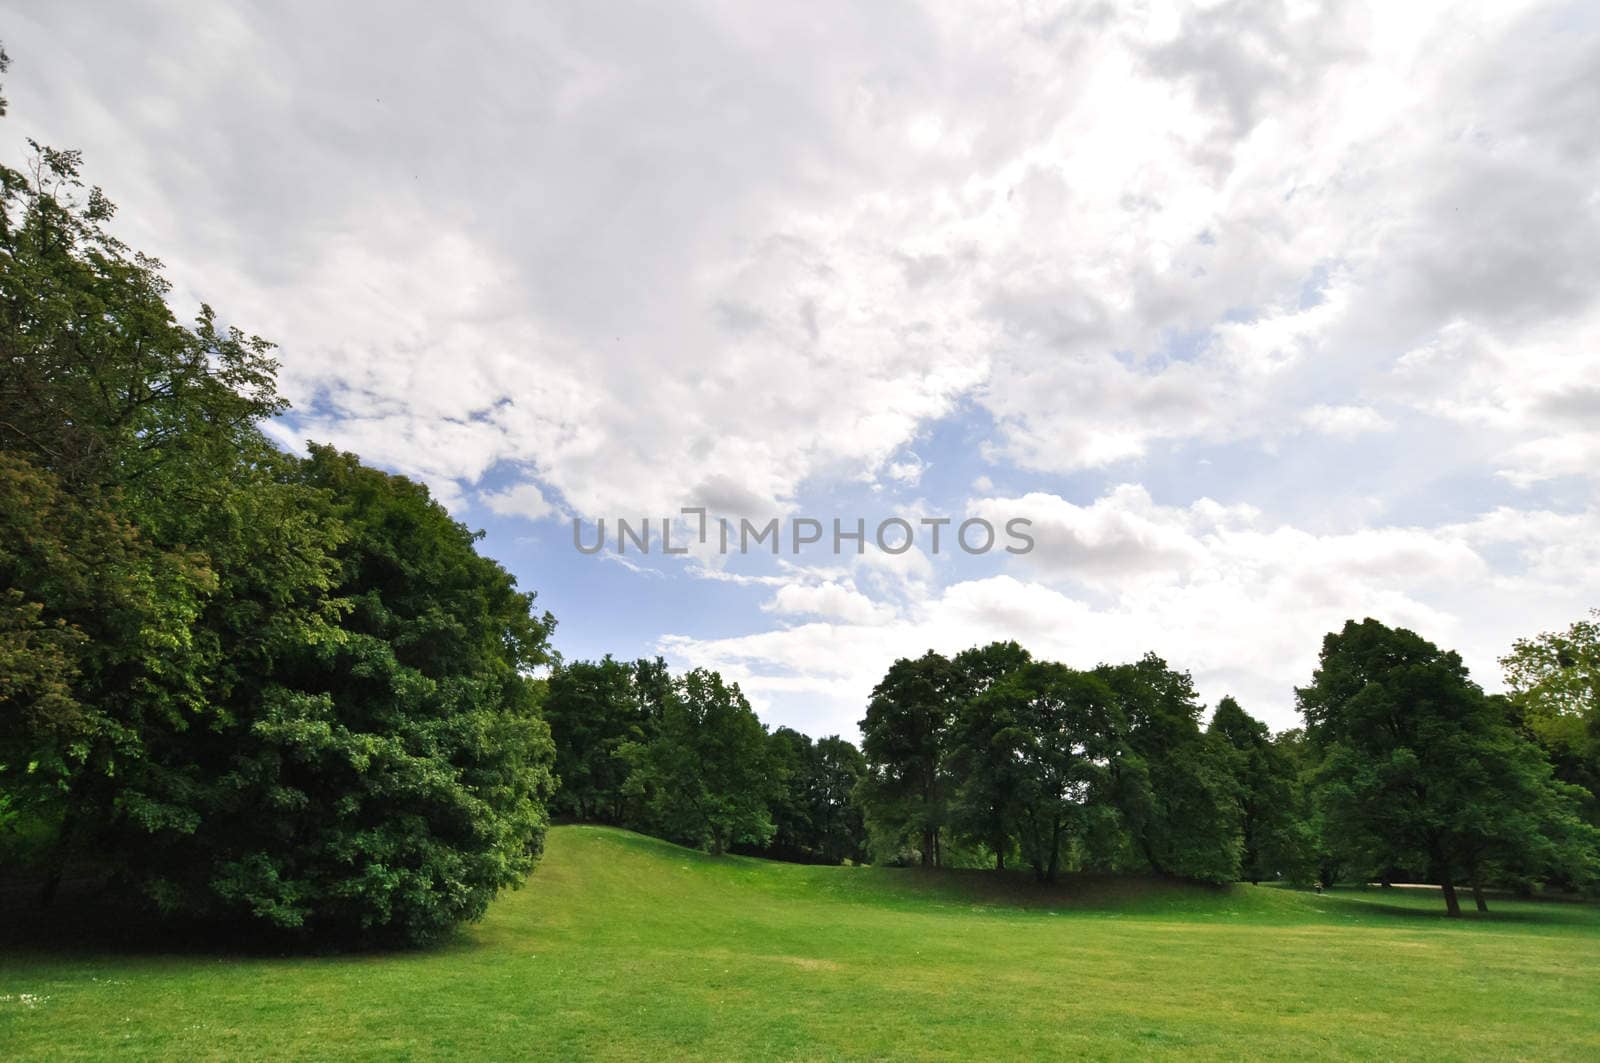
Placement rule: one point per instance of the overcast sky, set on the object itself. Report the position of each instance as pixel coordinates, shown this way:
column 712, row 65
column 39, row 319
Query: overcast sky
column 1266, row 317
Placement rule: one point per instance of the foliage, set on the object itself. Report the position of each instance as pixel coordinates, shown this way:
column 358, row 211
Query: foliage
column 1274, row 838
column 1419, row 768
column 1172, row 787
column 1055, row 733
column 814, row 815
column 703, row 774
column 594, row 709
column 907, row 786
column 245, row 684
column 1554, row 679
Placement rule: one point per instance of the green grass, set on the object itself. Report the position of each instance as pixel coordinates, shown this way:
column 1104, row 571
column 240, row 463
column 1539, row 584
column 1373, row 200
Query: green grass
column 623, row 947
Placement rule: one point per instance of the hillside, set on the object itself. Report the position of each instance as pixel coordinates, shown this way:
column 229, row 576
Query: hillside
column 626, row 947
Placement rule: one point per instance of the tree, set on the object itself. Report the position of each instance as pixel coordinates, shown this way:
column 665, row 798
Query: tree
column 985, row 789
column 593, row 710
column 246, row 685
column 384, row 776
column 840, row 830
column 1554, row 680
column 1056, row 730
column 791, row 760
column 1273, row 835
column 1173, row 788
column 1419, row 767
column 907, row 785
column 704, row 773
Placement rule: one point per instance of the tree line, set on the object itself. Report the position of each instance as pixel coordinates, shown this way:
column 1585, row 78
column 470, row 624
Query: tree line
column 686, row 758
column 1404, row 769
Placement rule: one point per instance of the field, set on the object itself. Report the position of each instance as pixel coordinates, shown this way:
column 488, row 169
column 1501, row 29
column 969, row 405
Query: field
column 624, row 947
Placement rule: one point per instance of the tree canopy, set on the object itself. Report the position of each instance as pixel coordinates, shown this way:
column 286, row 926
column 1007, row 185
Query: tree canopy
column 242, row 685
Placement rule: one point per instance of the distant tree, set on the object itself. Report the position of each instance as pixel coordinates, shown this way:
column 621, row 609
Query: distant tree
column 1419, row 767
column 704, row 774
column 838, row 822
column 594, row 709
column 792, row 768
column 1323, row 863
column 814, row 815
column 1273, row 832
column 1554, row 682
column 907, row 787
column 1059, row 734
column 984, row 774
column 1173, row 787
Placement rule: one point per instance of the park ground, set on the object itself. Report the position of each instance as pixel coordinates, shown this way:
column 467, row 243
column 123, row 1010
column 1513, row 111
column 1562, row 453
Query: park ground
column 624, row 947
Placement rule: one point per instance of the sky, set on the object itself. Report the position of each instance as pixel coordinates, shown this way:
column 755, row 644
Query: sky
column 1266, row 316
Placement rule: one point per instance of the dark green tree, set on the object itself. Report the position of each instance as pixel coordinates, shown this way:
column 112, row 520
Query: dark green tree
column 984, row 806
column 1059, row 734
column 1172, row 787
column 593, row 710
column 247, row 685
column 1273, row 834
column 906, row 791
column 1420, row 769
column 384, row 775
column 840, row 828
column 792, row 767
column 704, row 773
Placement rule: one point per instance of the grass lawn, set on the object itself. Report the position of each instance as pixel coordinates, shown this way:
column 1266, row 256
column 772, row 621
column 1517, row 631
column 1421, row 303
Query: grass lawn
column 623, row 947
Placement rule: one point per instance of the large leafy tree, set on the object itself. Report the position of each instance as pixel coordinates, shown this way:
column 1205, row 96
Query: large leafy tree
column 1172, row 787
column 790, row 761
column 122, row 433
column 1419, row 768
column 247, row 684
column 983, row 768
column 1274, row 837
column 594, row 709
column 907, row 788
column 840, row 831
column 1058, row 733
column 703, row 774
column 813, row 813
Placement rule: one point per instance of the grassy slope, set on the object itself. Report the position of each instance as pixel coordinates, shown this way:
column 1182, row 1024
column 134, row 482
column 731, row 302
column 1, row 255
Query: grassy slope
column 625, row 947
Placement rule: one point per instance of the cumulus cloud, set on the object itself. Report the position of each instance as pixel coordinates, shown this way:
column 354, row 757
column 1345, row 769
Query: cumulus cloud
column 522, row 500
column 1339, row 259
column 1217, row 590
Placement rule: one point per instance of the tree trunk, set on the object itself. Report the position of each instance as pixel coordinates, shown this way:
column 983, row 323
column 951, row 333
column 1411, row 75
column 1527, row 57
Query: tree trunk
column 927, row 848
column 1452, row 906
column 57, row 862
column 1477, row 895
column 999, row 859
column 1055, row 850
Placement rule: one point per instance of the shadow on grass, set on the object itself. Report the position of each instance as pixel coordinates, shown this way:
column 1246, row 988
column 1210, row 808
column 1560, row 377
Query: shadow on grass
column 1428, row 906
column 1075, row 890
column 89, row 919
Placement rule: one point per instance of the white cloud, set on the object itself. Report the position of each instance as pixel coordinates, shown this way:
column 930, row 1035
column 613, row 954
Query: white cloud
column 834, row 601
column 730, row 255
column 1241, row 605
column 521, row 500
column 1345, row 420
